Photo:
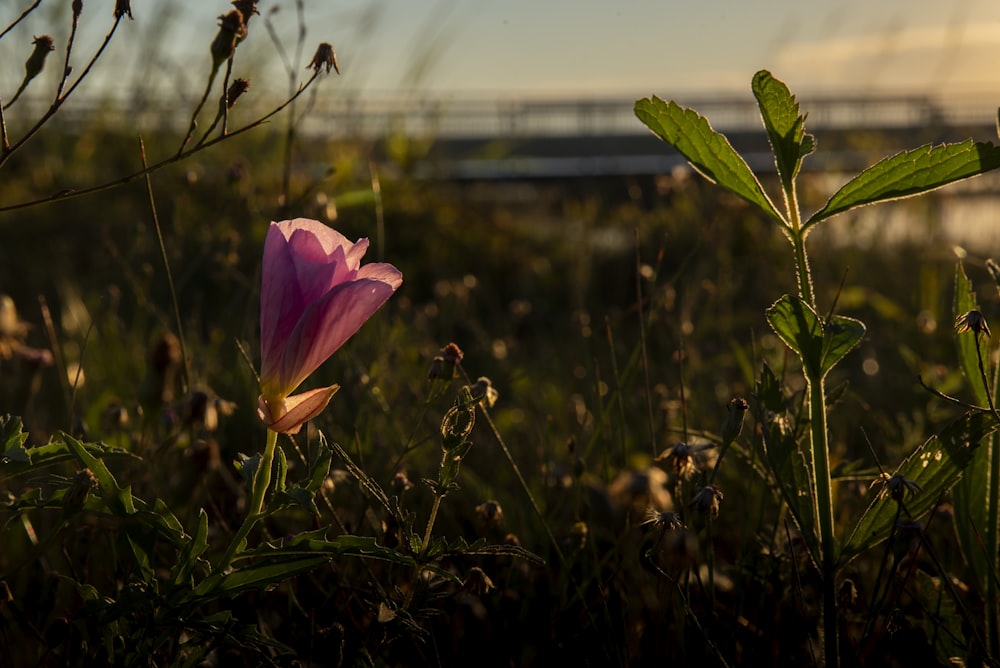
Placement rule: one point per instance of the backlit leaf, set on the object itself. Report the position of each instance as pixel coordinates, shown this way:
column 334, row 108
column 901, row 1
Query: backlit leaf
column 911, row 173
column 707, row 150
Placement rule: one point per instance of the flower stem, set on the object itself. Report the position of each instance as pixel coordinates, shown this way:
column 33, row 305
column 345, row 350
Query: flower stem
column 261, row 481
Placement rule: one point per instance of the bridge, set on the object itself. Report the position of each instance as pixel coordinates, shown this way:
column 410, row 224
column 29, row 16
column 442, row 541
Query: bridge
column 512, row 139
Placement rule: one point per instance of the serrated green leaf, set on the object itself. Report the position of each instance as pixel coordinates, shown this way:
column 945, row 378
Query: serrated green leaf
column 911, row 173
column 53, row 453
column 935, row 466
column 259, row 576
column 118, row 499
column 819, row 345
column 708, row 151
column 785, row 126
column 12, row 440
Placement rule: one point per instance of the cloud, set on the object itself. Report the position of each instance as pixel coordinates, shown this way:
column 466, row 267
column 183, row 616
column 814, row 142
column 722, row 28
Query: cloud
column 909, row 57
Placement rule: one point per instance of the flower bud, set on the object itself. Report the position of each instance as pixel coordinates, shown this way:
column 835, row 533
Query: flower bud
column 733, row 424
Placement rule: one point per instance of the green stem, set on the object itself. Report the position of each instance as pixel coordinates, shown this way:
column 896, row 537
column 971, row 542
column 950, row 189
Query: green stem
column 819, row 448
column 824, row 511
column 992, row 528
column 261, row 481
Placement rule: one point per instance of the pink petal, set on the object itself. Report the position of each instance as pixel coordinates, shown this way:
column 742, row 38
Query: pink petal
column 294, row 411
column 328, row 323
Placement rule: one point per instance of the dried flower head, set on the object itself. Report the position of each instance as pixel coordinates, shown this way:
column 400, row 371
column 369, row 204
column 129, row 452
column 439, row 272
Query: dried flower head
column 445, row 363
column 324, row 56
column 478, row 582
column 973, row 321
column 36, row 61
column 123, row 7
column 401, row 482
column 490, row 512
column 80, row 486
column 237, row 88
column 231, row 29
column 687, row 459
column 707, row 500
column 484, row 392
column 896, row 486
column 246, row 7
column 665, row 520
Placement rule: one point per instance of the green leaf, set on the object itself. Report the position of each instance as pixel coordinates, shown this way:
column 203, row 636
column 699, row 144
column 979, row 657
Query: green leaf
column 12, row 440
column 16, row 460
column 911, row 173
column 708, row 151
column 259, row 576
column 785, row 126
column 935, row 466
column 791, row 474
column 118, row 499
column 965, row 301
column 314, row 543
column 820, row 346
column 192, row 550
column 970, row 497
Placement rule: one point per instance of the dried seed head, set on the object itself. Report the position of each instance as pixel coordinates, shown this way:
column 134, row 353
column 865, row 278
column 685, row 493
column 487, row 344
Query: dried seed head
column 973, row 321
column 707, row 500
column 123, row 7
column 688, row 459
column 77, row 8
column 478, row 582
column 83, row 482
column 36, row 61
column 484, row 392
column 231, row 30
column 324, row 56
column 896, row 486
column 237, row 88
column 664, row 520
column 452, row 354
column 490, row 512
column 401, row 482
column 246, row 7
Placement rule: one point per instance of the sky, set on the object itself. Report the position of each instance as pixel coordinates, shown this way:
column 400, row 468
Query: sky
column 561, row 48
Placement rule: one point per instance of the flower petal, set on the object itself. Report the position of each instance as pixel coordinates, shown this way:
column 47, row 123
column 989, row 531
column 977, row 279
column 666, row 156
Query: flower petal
column 328, row 323
column 288, row 416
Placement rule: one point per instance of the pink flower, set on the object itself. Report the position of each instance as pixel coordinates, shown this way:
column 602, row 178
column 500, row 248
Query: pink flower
column 314, row 296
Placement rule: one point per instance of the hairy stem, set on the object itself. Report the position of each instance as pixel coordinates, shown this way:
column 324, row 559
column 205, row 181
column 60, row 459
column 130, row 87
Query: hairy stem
column 261, row 481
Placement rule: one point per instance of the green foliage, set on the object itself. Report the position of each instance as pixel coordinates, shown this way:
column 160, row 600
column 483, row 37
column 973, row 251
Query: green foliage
column 911, row 173
column 934, row 467
column 708, row 151
column 819, row 344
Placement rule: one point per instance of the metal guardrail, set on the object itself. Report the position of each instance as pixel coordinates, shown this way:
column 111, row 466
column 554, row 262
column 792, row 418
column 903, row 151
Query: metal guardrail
column 461, row 117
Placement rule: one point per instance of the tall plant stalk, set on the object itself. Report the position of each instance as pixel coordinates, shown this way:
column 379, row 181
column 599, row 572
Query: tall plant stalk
column 822, row 342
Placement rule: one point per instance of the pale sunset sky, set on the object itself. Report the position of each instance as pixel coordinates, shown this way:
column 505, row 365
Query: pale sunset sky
column 563, row 48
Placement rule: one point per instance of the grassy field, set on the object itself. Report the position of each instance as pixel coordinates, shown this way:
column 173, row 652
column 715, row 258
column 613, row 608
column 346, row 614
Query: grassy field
column 596, row 520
